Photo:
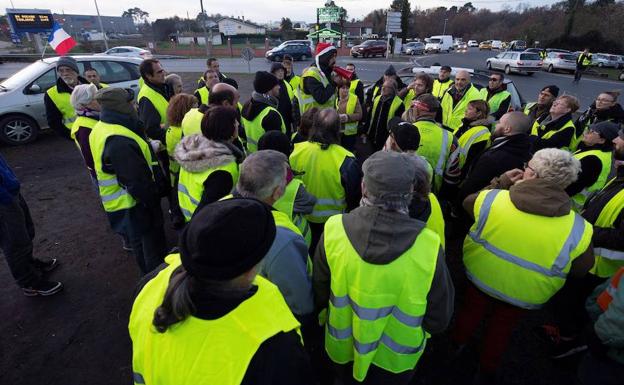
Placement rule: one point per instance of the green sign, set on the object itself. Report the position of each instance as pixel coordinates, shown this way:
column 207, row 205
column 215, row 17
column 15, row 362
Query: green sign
column 329, row 14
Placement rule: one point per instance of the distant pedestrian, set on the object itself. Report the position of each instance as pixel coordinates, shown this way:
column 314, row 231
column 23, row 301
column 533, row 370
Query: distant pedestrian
column 583, row 62
column 16, row 235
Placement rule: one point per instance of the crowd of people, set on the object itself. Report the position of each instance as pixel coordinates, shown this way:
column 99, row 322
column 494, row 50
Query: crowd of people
column 316, row 219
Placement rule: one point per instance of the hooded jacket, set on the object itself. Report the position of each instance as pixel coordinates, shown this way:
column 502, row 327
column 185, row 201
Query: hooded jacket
column 505, row 153
column 196, row 153
column 313, row 87
column 257, row 104
column 53, row 114
column 560, row 139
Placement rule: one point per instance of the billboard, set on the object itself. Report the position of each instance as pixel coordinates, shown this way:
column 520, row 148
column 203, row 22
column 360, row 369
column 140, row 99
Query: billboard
column 329, row 14
column 30, row 20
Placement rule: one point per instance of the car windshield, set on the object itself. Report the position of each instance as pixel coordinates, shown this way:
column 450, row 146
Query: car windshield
column 25, row 75
column 529, row 56
column 435, row 41
column 566, row 56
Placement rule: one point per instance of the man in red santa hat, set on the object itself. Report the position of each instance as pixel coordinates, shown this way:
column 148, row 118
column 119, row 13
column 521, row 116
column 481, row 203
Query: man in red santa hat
column 318, row 88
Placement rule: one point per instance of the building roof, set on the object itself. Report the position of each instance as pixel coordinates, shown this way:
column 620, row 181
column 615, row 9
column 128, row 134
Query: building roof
column 359, row 24
column 240, row 21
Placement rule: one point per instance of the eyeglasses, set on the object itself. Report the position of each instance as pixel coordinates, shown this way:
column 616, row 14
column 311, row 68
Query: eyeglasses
column 602, row 100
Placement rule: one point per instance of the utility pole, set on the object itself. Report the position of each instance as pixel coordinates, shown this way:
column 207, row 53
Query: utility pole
column 205, row 17
column 101, row 26
column 444, row 30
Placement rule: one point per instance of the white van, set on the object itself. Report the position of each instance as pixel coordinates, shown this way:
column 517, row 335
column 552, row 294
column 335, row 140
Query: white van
column 497, row 44
column 439, row 43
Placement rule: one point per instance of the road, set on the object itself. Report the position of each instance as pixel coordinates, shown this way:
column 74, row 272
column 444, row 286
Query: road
column 370, row 70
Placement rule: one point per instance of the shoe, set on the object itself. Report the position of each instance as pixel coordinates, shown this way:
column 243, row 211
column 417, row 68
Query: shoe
column 46, row 265
column 43, row 288
column 566, row 348
column 125, row 245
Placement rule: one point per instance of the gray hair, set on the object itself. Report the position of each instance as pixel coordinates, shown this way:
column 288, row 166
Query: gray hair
column 172, row 79
column 557, row 166
column 261, row 173
column 82, row 95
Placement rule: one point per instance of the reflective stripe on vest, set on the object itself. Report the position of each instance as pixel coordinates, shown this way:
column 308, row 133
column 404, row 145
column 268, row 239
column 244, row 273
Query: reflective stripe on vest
column 350, row 128
column 62, row 102
column 452, row 115
column 158, row 101
column 394, row 106
column 221, row 349
column 319, row 169
column 203, row 95
column 440, row 88
column 606, row 297
column 608, row 261
column 113, row 195
column 474, row 135
column 307, row 101
column 538, row 129
column 191, row 186
column 254, row 129
column 191, row 123
column 495, row 100
column 286, row 204
column 377, row 321
column 528, row 273
column 435, row 146
column 606, row 162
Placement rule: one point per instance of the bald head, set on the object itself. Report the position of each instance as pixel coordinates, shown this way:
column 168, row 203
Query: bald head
column 462, row 79
column 513, row 123
column 223, row 94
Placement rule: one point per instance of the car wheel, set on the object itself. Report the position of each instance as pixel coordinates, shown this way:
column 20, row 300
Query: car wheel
column 18, row 129
column 600, row 65
column 530, row 73
column 621, row 77
column 551, row 68
column 507, row 70
column 489, row 65
column 303, row 57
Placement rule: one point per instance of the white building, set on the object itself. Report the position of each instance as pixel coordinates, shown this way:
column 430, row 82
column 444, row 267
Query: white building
column 230, row 26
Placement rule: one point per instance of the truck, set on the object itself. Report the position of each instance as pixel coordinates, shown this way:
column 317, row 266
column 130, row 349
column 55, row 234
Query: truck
column 439, row 43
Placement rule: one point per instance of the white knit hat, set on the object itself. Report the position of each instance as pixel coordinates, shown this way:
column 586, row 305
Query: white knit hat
column 82, row 95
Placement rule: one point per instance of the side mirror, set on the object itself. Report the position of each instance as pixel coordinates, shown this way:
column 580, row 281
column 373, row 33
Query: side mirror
column 34, row 89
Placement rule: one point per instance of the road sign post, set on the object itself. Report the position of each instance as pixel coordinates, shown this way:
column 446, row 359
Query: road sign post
column 393, row 25
column 248, row 54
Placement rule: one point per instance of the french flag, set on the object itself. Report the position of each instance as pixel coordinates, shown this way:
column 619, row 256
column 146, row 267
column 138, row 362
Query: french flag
column 60, row 40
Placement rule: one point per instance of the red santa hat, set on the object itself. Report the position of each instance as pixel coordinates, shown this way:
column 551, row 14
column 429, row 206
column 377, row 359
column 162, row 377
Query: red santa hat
column 323, row 48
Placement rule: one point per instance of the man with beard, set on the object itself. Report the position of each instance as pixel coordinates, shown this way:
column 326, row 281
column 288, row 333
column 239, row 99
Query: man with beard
column 59, row 110
column 540, row 109
column 318, row 86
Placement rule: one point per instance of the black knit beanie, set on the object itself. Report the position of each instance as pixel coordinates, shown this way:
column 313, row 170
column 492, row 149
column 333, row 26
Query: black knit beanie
column 227, row 238
column 264, row 82
column 275, row 140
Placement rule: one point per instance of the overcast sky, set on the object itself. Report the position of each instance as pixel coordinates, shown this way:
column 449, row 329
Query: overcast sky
column 256, row 10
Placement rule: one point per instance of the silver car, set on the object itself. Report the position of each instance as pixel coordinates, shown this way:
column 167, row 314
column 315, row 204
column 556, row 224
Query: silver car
column 128, row 51
column 604, row 60
column 557, row 61
column 520, row 62
column 22, row 111
column 413, row 48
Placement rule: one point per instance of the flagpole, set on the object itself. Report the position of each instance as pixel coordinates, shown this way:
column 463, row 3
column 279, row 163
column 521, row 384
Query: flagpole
column 101, row 26
column 44, row 49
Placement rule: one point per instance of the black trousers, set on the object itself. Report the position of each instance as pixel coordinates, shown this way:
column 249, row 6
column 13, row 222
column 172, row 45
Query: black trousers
column 16, row 234
column 578, row 73
column 147, row 238
column 569, row 304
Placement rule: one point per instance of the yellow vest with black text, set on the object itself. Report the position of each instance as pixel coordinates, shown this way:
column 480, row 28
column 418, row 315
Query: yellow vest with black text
column 538, row 130
column 173, row 137
column 158, row 101
column 197, row 351
column 61, row 101
column 440, row 88
column 320, row 172
column 520, row 258
column 474, row 135
column 376, row 311
column 394, row 106
column 254, row 129
column 495, row 101
column 608, row 261
column 452, row 115
column 435, row 146
column 114, row 196
column 350, row 128
column 203, row 95
column 191, row 186
column 606, row 161
column 286, row 204
column 191, row 123
column 307, row 101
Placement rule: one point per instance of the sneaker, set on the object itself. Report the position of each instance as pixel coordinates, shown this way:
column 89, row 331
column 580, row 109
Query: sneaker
column 43, row 288
column 46, row 265
column 566, row 348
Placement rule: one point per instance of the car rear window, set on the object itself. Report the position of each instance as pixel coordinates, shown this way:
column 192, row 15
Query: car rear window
column 566, row 56
column 529, row 56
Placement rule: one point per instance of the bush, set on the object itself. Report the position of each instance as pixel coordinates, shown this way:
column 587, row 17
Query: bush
column 594, row 40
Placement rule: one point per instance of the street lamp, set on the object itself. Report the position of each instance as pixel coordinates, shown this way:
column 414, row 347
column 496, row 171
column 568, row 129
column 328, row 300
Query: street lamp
column 444, row 30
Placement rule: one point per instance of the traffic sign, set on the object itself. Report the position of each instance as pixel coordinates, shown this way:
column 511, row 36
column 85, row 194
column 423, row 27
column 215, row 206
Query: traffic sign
column 248, row 54
column 393, row 21
column 329, row 14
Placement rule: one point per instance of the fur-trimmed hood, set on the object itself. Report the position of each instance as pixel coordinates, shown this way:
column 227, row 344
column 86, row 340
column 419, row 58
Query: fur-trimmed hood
column 196, row 153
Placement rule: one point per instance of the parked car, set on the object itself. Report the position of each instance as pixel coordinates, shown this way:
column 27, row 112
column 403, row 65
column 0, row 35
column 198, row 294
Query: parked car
column 604, row 60
column 473, row 43
column 370, row 48
column 485, row 45
column 520, row 62
column 557, row 61
column 22, row 111
column 478, row 77
column 128, row 51
column 413, row 48
column 558, row 50
column 517, row 45
column 296, row 51
column 620, row 61
column 497, row 44
column 439, row 43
